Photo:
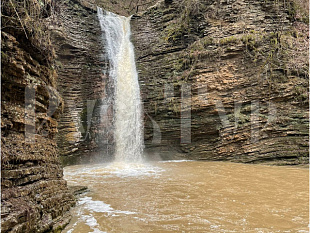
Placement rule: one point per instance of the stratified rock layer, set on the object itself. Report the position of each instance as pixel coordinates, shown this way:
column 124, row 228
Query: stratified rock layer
column 34, row 195
column 81, row 64
column 224, row 80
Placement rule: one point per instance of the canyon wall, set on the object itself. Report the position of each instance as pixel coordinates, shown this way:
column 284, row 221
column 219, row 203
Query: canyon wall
column 82, row 81
column 34, row 195
column 220, row 80
column 224, row 80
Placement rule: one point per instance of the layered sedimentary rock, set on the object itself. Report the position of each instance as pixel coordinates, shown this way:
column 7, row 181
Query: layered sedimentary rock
column 224, row 80
column 82, row 81
column 34, row 195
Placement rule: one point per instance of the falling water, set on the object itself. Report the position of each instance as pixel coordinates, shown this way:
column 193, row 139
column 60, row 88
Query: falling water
column 127, row 101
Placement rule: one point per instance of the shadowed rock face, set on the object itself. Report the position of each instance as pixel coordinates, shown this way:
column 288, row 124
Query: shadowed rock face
column 244, row 97
column 34, row 195
column 82, row 82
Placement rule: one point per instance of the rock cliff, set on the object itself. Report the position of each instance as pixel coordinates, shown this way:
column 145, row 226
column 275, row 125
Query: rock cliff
column 225, row 80
column 34, row 196
column 82, row 82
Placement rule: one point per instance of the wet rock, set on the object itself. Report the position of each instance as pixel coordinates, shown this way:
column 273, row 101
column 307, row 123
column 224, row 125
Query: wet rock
column 77, row 190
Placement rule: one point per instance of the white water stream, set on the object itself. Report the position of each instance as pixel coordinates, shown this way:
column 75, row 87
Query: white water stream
column 128, row 131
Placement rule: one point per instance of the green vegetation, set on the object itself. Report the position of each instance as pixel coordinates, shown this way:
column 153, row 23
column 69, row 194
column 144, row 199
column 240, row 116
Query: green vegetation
column 175, row 32
column 228, row 40
column 280, row 55
column 275, row 50
column 185, row 23
column 301, row 93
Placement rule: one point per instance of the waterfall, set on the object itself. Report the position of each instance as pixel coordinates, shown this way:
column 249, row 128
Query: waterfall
column 128, row 127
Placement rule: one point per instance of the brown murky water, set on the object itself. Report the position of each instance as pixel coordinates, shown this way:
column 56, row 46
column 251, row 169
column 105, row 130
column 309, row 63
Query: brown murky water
column 190, row 196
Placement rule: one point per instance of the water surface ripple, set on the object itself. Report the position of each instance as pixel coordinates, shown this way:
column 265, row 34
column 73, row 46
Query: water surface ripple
column 190, row 196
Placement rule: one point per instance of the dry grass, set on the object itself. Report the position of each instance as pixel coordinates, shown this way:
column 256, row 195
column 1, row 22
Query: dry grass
column 304, row 5
column 26, row 18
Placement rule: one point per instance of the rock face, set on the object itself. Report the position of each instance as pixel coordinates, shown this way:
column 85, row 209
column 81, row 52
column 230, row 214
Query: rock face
column 34, row 195
column 224, row 80
column 82, row 82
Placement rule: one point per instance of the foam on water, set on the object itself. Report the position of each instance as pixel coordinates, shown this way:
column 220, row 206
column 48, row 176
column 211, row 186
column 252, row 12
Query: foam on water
column 118, row 169
column 100, row 207
column 176, row 161
column 88, row 207
column 92, row 222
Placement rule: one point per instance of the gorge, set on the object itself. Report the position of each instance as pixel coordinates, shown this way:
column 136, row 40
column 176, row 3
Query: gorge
column 219, row 81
